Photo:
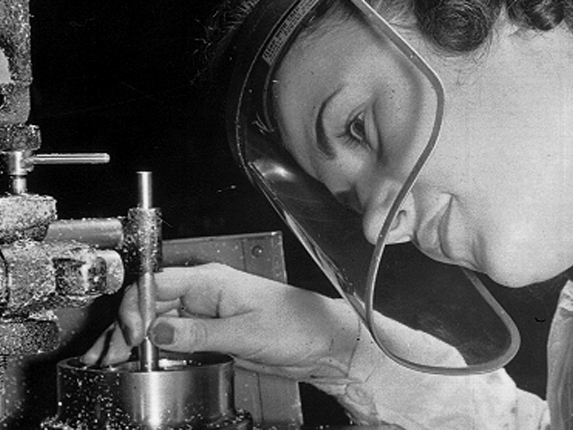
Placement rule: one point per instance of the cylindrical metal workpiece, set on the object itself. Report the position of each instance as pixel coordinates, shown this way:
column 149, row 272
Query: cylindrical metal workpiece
column 78, row 158
column 145, row 190
column 103, row 233
column 191, row 391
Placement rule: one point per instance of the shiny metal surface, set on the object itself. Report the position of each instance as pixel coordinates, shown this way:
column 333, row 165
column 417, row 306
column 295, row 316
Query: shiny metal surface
column 104, row 233
column 149, row 240
column 258, row 253
column 145, row 188
column 189, row 391
column 90, row 158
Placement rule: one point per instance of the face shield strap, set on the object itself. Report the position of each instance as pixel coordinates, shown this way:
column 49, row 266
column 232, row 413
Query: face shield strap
column 383, row 27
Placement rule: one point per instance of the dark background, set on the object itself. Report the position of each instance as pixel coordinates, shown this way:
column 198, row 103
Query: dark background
column 116, row 77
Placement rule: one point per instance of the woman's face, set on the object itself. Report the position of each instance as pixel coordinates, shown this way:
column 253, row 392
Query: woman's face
column 497, row 195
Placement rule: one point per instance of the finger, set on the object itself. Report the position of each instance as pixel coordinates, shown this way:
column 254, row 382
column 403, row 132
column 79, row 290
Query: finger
column 110, row 348
column 130, row 320
column 168, row 307
column 211, row 289
column 228, row 335
column 256, row 367
column 96, row 350
column 171, row 313
column 198, row 289
column 174, row 282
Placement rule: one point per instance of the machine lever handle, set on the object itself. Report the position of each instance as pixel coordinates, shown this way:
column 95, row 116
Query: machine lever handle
column 79, row 158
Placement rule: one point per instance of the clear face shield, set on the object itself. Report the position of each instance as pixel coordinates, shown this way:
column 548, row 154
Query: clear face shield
column 418, row 323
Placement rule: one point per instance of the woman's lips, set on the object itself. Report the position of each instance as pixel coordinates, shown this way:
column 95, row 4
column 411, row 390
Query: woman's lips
column 442, row 237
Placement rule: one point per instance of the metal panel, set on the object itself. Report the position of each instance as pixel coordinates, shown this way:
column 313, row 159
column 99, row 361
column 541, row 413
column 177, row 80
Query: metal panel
column 258, row 253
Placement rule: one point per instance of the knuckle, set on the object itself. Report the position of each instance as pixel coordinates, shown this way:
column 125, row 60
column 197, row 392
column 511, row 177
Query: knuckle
column 220, row 269
column 198, row 335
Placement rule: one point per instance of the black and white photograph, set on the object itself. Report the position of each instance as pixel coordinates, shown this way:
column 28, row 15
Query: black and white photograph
column 286, row 214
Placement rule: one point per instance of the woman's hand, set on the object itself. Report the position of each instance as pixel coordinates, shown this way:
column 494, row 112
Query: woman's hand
column 267, row 325
column 275, row 328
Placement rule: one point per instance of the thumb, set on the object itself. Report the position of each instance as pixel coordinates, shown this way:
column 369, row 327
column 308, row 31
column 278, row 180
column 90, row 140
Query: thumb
column 199, row 334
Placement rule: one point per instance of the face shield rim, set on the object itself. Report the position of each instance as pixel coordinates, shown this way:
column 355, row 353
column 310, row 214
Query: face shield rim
column 250, row 77
column 379, row 23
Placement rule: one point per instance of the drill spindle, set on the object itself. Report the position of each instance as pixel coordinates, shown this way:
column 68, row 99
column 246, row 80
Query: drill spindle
column 148, row 353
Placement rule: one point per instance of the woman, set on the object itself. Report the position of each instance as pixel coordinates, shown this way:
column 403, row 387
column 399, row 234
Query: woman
column 324, row 92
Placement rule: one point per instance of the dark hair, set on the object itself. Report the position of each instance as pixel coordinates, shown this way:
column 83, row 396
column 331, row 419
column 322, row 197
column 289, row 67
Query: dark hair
column 457, row 26
column 464, row 25
column 216, row 55
column 221, row 30
column 454, row 26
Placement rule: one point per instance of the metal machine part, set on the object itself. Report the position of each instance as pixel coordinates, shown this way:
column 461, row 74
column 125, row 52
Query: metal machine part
column 21, row 161
column 193, row 391
column 25, row 217
column 106, row 233
column 36, row 277
column 50, row 265
column 18, row 139
column 148, row 250
column 15, row 64
column 174, row 392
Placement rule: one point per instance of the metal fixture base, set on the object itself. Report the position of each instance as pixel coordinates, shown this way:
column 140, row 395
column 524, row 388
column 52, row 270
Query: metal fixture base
column 189, row 391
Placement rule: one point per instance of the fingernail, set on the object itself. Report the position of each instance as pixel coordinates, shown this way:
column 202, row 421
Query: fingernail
column 162, row 334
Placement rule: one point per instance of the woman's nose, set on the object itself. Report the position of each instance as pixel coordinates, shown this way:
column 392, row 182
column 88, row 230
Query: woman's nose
column 402, row 227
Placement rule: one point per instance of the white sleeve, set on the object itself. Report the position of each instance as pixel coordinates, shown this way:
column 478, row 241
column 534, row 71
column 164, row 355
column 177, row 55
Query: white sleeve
column 379, row 391
column 560, row 360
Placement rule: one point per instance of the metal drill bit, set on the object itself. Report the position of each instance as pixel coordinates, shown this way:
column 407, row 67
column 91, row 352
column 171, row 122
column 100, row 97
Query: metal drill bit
column 148, row 353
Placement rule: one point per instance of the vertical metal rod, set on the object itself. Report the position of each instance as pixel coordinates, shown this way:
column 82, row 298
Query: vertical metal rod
column 18, row 185
column 148, row 353
column 145, row 190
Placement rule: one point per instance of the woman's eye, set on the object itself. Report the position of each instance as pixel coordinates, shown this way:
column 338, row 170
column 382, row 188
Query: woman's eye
column 357, row 129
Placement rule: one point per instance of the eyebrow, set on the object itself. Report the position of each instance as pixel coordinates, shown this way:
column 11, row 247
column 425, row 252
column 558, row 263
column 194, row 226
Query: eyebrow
column 325, row 145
